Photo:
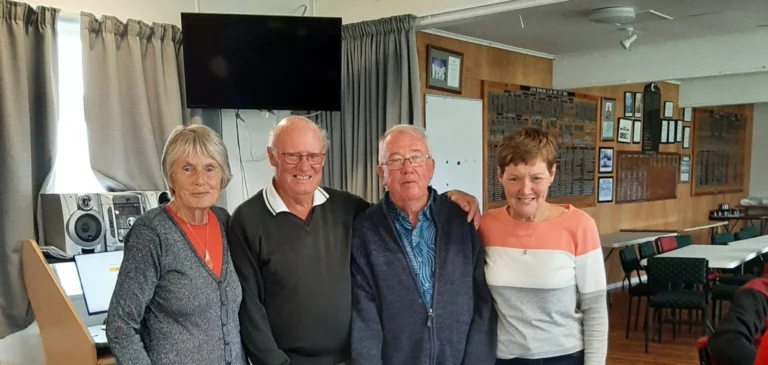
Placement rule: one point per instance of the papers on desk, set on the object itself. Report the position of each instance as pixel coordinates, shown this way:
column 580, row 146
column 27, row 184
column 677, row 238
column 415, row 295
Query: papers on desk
column 54, row 252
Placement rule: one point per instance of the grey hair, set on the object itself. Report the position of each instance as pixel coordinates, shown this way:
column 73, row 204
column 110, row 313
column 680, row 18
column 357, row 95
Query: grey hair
column 184, row 141
column 401, row 128
column 275, row 131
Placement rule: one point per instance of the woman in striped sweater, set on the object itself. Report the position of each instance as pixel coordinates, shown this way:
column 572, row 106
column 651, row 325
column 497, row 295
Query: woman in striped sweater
column 544, row 264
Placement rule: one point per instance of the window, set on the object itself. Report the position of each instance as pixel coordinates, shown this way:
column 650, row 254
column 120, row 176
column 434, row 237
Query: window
column 72, row 170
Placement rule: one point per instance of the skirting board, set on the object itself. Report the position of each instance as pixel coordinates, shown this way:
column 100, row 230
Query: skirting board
column 617, row 285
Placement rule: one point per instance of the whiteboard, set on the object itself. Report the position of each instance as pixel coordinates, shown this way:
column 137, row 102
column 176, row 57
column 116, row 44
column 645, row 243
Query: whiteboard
column 455, row 131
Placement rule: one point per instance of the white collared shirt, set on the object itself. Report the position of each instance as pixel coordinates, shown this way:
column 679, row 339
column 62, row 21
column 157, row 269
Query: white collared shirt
column 276, row 205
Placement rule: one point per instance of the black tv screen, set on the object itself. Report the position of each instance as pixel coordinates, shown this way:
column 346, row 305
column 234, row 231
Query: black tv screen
column 234, row 61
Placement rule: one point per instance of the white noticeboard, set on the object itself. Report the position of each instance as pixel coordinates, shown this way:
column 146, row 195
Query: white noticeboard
column 455, row 131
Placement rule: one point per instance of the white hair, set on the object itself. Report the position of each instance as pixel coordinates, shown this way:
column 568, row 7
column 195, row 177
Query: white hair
column 185, row 141
column 275, row 131
column 401, row 128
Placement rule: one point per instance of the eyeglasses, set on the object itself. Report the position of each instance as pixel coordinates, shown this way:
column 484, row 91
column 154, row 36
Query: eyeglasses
column 398, row 163
column 293, row 158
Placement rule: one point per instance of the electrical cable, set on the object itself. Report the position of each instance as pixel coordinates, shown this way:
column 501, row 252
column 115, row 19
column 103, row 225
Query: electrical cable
column 243, row 179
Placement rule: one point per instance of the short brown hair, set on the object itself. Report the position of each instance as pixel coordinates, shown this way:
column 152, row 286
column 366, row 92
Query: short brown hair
column 525, row 146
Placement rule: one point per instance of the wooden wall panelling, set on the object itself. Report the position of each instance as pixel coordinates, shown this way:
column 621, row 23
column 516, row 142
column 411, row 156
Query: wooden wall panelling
column 484, row 63
column 487, row 63
column 569, row 118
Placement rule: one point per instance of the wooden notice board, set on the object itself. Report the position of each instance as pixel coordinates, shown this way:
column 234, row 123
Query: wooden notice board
column 642, row 177
column 719, row 159
column 570, row 118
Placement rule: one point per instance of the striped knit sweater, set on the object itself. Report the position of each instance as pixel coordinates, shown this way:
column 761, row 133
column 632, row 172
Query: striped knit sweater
column 548, row 283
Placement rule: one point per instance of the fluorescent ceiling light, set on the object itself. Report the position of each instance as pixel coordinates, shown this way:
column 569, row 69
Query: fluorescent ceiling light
column 441, row 18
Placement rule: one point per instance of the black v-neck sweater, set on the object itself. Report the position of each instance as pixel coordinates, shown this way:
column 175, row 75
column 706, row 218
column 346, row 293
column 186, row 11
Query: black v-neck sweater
column 295, row 279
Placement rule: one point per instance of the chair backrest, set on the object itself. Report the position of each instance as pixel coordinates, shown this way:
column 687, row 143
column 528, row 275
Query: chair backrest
column 628, row 259
column 666, row 244
column 65, row 338
column 646, row 250
column 722, row 238
column 746, row 233
column 665, row 273
column 683, row 240
column 751, row 230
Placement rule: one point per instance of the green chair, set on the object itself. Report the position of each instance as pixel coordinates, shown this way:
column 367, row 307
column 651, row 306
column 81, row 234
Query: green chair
column 746, row 233
column 722, row 238
column 684, row 240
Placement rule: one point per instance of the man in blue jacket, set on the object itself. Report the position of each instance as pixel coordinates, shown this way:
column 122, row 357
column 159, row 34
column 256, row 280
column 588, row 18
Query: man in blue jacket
column 418, row 278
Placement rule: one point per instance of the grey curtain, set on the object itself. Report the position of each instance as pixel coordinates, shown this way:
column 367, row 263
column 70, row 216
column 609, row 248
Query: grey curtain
column 28, row 114
column 380, row 88
column 134, row 97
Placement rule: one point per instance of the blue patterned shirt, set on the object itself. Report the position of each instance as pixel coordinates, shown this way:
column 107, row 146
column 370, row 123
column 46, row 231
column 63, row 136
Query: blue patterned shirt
column 418, row 242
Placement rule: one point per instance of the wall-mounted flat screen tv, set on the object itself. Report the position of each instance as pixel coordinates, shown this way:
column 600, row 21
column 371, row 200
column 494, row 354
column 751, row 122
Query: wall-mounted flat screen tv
column 264, row 62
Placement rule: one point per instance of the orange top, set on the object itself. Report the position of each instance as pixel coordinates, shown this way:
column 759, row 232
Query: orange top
column 762, row 353
column 197, row 236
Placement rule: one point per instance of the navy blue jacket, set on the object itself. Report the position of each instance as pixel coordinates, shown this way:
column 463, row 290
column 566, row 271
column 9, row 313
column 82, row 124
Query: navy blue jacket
column 390, row 323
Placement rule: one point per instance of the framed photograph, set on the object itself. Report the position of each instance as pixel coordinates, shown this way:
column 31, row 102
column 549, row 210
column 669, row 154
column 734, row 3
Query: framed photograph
column 625, row 131
column 604, row 189
column 679, row 137
column 688, row 115
column 605, row 160
column 686, row 137
column 609, row 115
column 669, row 109
column 637, row 131
column 664, row 131
column 638, row 105
column 685, row 169
column 671, row 138
column 444, row 69
column 629, row 104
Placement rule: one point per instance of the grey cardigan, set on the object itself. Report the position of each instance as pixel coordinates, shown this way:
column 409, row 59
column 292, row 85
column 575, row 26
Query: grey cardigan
column 168, row 307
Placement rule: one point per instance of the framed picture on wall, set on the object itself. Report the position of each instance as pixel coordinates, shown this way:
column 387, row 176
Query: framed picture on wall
column 686, row 137
column 625, row 131
column 679, row 137
column 669, row 109
column 638, row 105
column 685, row 169
column 604, row 189
column 605, row 160
column 609, row 115
column 688, row 114
column 444, row 69
column 637, row 131
column 629, row 104
column 672, row 131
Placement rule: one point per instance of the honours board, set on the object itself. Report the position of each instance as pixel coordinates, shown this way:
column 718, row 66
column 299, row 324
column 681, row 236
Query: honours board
column 570, row 118
column 719, row 157
column 642, row 177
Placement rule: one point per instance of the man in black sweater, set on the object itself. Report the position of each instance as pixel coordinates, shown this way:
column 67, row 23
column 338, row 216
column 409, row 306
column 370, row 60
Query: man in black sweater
column 735, row 340
column 290, row 246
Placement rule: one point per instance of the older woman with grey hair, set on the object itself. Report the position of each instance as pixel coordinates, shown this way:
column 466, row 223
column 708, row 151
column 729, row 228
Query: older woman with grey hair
column 177, row 295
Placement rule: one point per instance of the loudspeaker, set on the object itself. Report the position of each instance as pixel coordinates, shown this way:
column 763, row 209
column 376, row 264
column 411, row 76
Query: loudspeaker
column 73, row 223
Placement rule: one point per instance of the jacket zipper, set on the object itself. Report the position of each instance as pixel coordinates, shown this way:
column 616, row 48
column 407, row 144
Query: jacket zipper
column 430, row 312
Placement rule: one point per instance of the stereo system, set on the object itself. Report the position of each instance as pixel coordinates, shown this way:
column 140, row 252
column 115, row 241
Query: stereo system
column 87, row 223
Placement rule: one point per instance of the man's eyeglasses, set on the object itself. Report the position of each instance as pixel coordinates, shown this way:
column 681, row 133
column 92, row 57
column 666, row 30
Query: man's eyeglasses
column 398, row 163
column 293, row 158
